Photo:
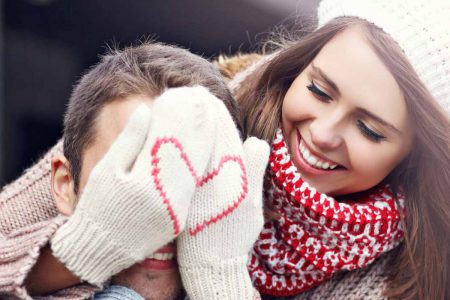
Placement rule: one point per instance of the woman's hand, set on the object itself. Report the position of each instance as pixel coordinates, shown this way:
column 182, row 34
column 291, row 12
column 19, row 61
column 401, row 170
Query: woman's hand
column 225, row 217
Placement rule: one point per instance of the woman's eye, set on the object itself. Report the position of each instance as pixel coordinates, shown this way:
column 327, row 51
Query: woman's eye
column 312, row 87
column 372, row 135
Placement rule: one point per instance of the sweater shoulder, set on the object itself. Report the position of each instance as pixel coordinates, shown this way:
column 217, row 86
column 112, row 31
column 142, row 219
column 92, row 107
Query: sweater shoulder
column 28, row 219
column 20, row 251
column 28, row 200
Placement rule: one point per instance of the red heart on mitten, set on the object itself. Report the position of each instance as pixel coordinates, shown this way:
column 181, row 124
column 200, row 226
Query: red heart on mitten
column 233, row 201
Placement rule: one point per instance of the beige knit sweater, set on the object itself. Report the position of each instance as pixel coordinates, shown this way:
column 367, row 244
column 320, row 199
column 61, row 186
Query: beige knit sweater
column 28, row 218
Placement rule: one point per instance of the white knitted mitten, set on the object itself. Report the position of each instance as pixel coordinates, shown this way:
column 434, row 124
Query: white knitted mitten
column 137, row 197
column 225, row 217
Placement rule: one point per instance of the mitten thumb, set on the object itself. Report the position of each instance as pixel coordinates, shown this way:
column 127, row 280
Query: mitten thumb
column 128, row 145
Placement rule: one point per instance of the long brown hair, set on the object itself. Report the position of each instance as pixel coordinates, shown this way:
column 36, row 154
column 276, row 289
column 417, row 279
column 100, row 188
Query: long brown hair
column 422, row 268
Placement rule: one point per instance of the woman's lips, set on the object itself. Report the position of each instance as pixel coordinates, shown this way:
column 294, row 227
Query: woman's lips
column 304, row 167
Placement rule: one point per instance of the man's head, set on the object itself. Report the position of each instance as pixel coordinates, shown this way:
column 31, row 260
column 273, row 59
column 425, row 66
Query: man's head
column 146, row 71
column 98, row 110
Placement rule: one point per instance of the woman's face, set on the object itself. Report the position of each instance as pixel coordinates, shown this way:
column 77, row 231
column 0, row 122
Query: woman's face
column 344, row 118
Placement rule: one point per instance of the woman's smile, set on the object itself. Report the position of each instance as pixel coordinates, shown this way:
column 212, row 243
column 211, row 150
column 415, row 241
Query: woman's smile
column 310, row 162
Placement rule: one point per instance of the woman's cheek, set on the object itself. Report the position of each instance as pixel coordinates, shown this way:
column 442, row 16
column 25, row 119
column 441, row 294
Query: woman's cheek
column 372, row 162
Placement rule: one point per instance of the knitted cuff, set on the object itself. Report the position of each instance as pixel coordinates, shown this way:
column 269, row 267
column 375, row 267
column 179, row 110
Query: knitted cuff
column 227, row 279
column 87, row 251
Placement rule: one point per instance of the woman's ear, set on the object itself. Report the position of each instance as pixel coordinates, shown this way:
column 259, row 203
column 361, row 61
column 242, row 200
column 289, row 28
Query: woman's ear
column 63, row 185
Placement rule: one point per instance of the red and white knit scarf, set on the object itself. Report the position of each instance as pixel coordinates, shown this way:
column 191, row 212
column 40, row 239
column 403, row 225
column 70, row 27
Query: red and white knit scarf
column 315, row 235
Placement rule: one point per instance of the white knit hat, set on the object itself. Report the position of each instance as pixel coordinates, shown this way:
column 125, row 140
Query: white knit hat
column 420, row 27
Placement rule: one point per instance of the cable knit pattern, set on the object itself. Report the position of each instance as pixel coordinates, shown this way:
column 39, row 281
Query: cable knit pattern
column 19, row 198
column 28, row 219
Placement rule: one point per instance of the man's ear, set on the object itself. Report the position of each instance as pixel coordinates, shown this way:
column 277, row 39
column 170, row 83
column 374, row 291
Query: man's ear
column 63, row 185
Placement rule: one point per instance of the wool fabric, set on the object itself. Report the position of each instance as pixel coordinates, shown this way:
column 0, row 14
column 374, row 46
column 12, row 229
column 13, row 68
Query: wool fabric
column 152, row 191
column 316, row 236
column 420, row 27
column 225, row 217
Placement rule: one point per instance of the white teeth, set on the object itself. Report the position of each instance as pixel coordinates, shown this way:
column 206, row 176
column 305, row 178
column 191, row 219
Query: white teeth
column 313, row 160
column 302, row 148
column 162, row 256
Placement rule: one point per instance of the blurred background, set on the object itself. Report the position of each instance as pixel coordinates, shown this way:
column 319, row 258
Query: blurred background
column 45, row 46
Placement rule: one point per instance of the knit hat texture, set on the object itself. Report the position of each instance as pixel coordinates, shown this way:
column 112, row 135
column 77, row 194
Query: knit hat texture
column 420, row 27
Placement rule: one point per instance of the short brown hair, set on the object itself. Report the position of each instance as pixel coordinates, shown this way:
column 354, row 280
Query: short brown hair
column 147, row 69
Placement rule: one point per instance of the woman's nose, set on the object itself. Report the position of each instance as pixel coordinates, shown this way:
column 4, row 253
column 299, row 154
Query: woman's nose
column 325, row 133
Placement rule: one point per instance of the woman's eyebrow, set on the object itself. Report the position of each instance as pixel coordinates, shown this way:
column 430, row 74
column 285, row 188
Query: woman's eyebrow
column 378, row 119
column 327, row 79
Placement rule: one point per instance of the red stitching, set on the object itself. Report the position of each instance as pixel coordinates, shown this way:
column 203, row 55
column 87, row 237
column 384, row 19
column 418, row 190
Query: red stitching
column 155, row 172
column 200, row 181
column 228, row 158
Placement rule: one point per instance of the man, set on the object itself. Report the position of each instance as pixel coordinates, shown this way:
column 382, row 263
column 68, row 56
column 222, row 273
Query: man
column 121, row 82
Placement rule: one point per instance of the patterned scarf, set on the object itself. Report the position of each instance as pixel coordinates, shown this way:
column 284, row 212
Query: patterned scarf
column 316, row 236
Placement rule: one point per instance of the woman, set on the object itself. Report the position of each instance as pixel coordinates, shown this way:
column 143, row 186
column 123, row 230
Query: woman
column 360, row 161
